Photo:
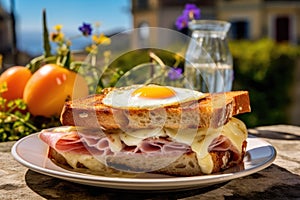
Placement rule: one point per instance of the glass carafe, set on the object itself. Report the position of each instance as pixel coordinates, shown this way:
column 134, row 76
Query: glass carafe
column 208, row 66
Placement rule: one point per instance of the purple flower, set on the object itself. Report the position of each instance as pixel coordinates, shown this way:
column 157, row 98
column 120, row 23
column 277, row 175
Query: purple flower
column 181, row 22
column 175, row 73
column 86, row 29
column 191, row 11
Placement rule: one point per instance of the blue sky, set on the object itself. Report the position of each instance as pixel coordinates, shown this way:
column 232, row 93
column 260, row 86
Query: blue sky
column 71, row 13
column 113, row 15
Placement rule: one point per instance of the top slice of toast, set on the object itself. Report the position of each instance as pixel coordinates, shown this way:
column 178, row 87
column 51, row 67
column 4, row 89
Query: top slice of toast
column 213, row 110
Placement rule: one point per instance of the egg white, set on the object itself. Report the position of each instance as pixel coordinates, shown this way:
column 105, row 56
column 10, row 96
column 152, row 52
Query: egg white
column 122, row 98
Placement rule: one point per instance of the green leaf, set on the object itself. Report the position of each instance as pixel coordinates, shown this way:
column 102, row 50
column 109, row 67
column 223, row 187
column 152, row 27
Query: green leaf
column 3, row 87
column 46, row 42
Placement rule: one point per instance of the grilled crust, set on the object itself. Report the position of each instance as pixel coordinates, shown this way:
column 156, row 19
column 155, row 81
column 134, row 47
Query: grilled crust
column 185, row 165
column 213, row 110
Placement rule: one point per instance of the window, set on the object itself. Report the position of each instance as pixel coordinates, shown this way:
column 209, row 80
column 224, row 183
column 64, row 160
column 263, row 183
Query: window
column 142, row 4
column 282, row 26
column 240, row 29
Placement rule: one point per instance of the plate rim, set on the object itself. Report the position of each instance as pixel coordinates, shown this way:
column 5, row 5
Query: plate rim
column 143, row 183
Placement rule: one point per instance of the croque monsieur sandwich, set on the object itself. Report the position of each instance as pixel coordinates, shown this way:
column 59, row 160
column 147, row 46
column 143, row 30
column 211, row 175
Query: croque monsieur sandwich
column 151, row 128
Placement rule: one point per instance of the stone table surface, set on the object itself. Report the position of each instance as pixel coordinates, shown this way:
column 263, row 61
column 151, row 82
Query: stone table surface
column 281, row 180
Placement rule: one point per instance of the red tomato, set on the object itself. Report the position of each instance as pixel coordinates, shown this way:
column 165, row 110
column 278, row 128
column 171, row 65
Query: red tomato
column 49, row 87
column 16, row 78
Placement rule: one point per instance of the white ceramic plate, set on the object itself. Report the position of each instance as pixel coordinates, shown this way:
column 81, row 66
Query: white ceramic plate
column 31, row 152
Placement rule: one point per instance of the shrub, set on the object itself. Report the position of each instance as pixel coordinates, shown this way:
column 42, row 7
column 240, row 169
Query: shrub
column 265, row 68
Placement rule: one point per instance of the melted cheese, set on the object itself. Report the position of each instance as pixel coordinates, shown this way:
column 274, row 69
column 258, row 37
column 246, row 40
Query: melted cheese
column 133, row 138
column 185, row 136
column 198, row 139
column 115, row 142
column 89, row 161
column 206, row 163
column 235, row 130
column 200, row 147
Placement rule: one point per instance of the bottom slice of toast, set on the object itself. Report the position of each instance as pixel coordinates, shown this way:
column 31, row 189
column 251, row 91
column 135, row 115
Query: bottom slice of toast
column 185, row 165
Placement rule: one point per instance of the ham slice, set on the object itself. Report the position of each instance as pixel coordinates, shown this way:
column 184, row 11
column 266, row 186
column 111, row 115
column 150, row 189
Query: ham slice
column 158, row 145
column 222, row 143
column 90, row 143
column 62, row 141
column 73, row 142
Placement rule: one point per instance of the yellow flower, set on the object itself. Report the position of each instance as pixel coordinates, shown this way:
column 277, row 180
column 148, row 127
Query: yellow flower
column 58, row 27
column 101, row 39
column 57, row 37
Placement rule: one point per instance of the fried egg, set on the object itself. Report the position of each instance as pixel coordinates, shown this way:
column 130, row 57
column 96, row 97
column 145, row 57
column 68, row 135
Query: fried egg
column 149, row 96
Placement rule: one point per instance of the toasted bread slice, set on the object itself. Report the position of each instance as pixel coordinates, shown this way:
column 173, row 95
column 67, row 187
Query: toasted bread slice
column 213, row 110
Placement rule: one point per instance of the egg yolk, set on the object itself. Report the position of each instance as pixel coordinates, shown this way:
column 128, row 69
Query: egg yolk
column 153, row 92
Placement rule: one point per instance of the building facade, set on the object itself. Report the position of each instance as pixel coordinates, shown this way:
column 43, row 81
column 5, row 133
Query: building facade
column 5, row 31
column 279, row 20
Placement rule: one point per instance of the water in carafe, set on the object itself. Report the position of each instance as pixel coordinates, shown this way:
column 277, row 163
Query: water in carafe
column 208, row 66
column 205, row 78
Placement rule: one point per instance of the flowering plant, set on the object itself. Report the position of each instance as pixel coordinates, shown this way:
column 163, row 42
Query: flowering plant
column 64, row 51
column 86, row 30
column 64, row 44
column 62, row 56
column 65, row 57
column 25, row 92
column 190, row 12
column 173, row 73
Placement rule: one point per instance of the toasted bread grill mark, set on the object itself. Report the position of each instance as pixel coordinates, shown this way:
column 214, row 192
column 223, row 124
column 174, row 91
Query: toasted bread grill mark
column 208, row 111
